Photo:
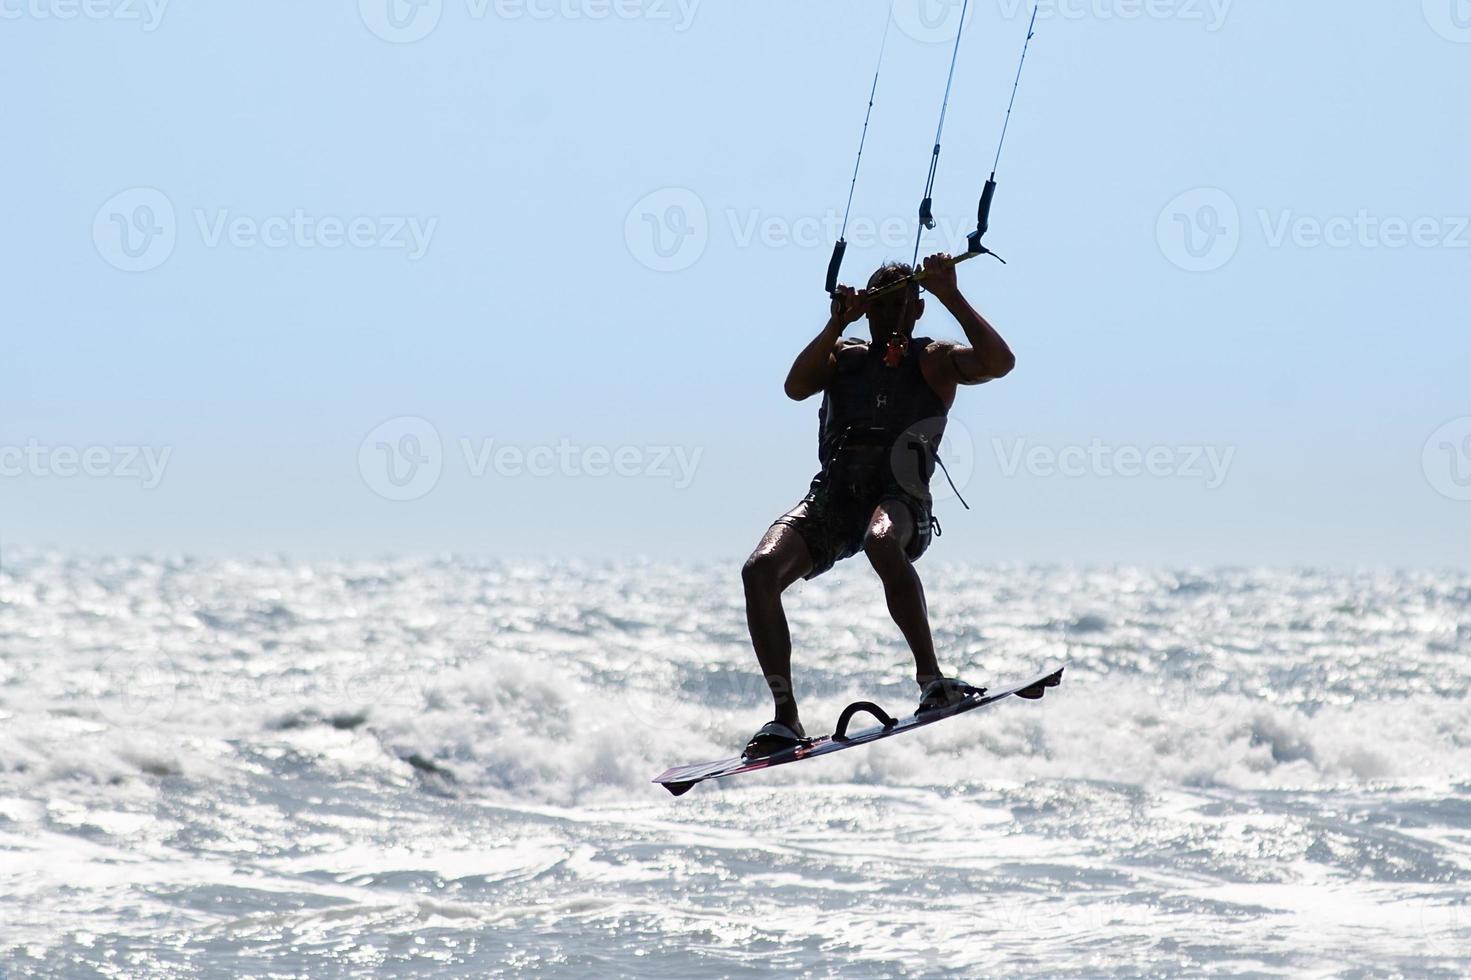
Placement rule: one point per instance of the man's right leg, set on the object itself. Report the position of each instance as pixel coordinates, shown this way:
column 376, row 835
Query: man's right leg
column 780, row 559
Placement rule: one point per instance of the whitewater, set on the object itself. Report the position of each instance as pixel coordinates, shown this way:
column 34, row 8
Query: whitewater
column 442, row 767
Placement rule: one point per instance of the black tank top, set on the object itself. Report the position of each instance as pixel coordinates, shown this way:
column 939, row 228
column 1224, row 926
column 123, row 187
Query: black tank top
column 883, row 416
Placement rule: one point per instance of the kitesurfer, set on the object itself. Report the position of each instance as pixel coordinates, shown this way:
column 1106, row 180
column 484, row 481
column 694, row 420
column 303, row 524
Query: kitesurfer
column 885, row 402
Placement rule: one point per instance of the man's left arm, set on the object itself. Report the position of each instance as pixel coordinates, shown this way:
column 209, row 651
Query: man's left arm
column 988, row 357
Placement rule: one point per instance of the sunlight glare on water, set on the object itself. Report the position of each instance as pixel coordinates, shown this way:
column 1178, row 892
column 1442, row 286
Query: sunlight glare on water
column 428, row 767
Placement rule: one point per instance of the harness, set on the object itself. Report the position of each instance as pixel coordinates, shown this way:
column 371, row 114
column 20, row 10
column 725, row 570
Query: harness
column 877, row 401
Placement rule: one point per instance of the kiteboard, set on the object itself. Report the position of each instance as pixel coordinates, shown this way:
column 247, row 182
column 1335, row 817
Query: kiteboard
column 682, row 779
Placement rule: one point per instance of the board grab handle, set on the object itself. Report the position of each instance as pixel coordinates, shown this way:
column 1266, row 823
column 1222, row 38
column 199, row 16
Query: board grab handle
column 885, row 719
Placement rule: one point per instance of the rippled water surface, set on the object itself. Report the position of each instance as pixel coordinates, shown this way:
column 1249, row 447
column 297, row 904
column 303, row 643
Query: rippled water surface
column 441, row 768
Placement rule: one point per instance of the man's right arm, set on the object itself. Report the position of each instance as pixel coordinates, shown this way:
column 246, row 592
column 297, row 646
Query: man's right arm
column 814, row 367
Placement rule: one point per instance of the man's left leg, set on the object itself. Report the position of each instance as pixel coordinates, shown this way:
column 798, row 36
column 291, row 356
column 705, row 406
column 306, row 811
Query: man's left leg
column 890, row 531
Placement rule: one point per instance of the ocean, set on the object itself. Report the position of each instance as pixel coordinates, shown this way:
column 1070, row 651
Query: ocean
column 442, row 768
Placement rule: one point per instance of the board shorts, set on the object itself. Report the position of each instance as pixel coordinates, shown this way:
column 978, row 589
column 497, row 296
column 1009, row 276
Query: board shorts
column 833, row 518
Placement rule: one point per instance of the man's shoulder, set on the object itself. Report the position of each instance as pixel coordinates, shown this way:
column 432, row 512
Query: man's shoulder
column 932, row 363
column 932, row 350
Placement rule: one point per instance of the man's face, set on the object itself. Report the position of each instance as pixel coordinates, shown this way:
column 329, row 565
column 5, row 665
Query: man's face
column 893, row 313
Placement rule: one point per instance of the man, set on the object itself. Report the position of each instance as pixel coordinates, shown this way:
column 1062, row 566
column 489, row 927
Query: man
column 883, row 413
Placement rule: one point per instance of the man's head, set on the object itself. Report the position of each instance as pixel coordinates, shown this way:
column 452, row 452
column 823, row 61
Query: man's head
column 896, row 312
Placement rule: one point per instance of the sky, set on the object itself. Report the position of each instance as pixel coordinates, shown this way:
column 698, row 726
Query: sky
column 523, row 278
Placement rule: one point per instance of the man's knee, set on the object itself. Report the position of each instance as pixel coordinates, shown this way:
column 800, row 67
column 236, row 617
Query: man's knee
column 762, row 573
column 885, row 549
